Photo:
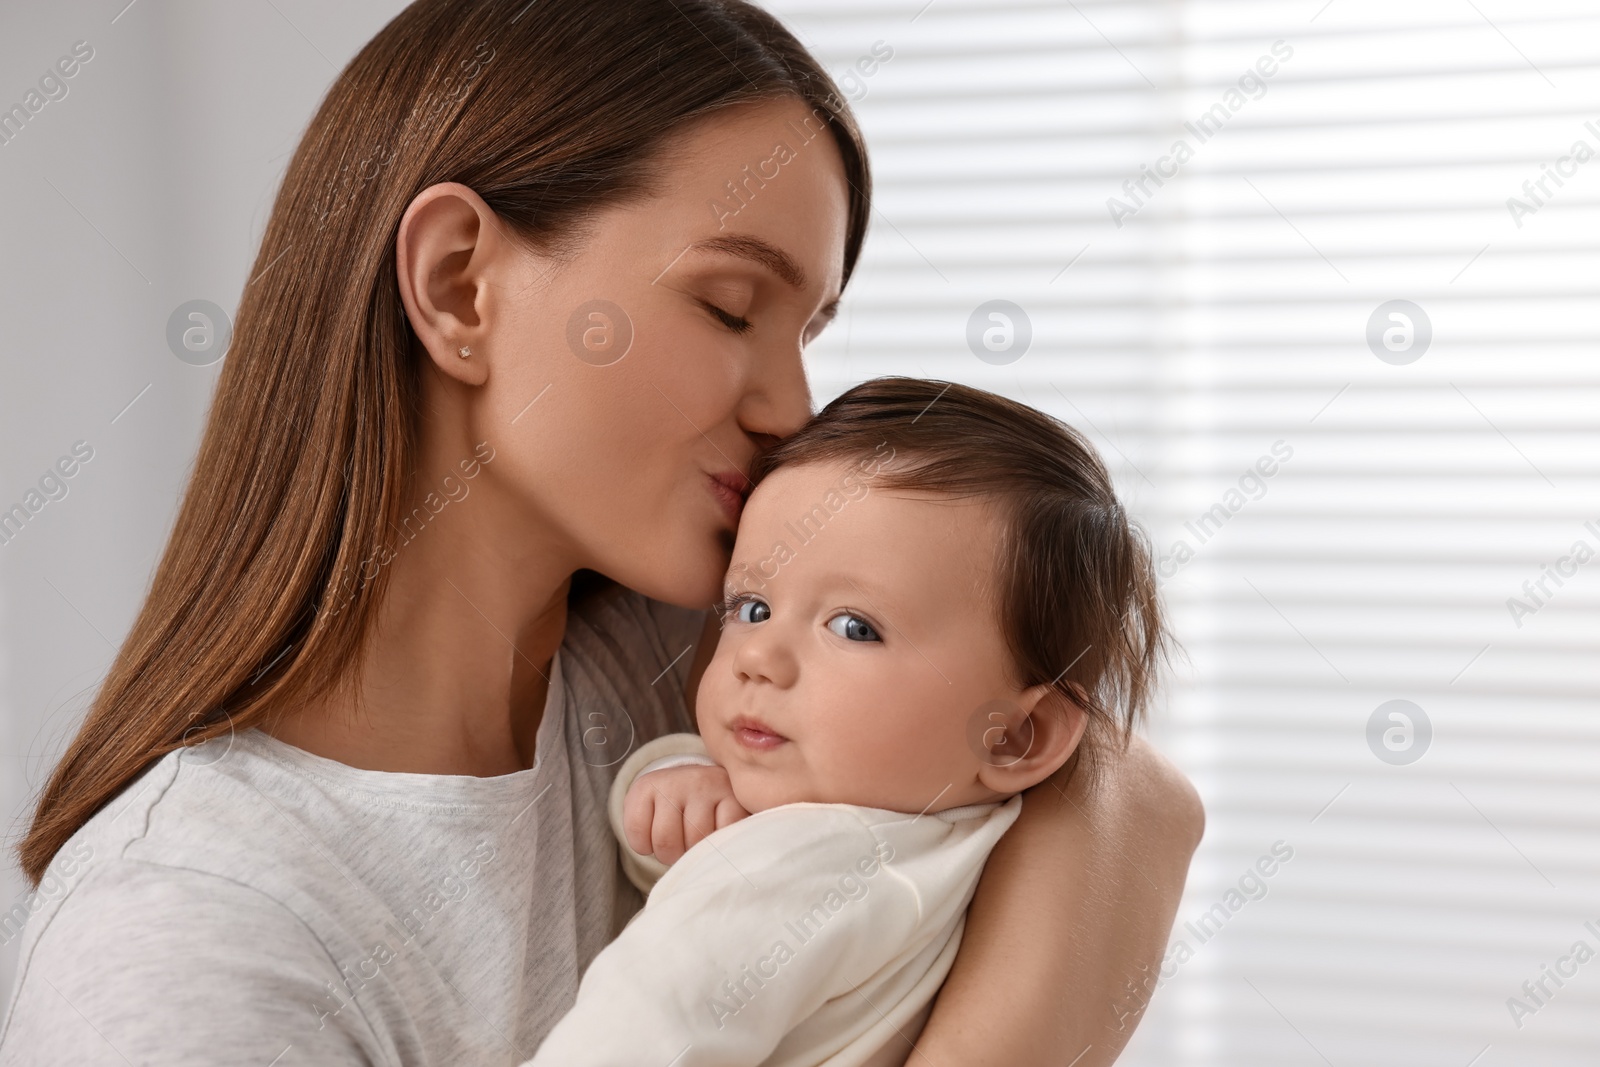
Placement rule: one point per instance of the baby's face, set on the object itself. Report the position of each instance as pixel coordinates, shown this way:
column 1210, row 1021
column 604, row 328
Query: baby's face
column 861, row 641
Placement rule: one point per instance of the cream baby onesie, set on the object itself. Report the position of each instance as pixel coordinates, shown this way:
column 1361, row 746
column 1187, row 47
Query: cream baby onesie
column 803, row 935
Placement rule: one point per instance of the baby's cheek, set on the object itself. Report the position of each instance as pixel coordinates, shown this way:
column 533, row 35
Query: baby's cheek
column 716, row 742
column 760, row 788
column 752, row 794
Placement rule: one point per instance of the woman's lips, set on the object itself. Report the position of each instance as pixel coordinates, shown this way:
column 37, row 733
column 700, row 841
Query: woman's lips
column 732, row 501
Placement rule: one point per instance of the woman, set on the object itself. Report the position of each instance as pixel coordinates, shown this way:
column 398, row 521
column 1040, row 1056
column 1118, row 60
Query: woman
column 534, row 292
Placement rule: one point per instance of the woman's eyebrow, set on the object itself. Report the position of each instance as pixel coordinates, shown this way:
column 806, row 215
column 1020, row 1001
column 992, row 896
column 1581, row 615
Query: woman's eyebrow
column 756, row 250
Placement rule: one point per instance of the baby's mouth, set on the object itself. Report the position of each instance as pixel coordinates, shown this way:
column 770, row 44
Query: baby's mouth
column 754, row 734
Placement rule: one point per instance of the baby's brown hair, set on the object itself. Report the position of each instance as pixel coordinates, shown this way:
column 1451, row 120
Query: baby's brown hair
column 1077, row 600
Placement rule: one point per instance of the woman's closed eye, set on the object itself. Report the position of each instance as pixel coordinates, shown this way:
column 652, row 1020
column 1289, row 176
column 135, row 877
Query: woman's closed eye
column 736, row 323
column 853, row 627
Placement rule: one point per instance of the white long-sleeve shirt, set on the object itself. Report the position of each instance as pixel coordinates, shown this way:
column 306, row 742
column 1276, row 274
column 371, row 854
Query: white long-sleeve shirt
column 805, row 934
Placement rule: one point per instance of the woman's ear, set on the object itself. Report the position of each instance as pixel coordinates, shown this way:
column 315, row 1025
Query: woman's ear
column 448, row 244
column 1022, row 742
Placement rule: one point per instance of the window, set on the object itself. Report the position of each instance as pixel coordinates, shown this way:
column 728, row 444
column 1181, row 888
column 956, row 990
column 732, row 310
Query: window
column 1340, row 350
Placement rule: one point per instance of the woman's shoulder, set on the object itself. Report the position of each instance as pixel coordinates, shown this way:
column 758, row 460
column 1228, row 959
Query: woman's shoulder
column 232, row 891
column 121, row 918
column 270, row 831
column 95, row 897
column 176, row 841
column 180, row 945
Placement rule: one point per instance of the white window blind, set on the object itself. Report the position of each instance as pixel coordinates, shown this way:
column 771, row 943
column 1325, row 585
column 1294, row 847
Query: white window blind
column 1434, row 493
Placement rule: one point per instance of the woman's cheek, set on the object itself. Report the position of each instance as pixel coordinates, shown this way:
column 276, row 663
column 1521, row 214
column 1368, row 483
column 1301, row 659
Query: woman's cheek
column 704, row 379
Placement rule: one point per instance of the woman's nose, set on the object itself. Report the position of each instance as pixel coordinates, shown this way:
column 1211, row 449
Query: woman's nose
column 779, row 400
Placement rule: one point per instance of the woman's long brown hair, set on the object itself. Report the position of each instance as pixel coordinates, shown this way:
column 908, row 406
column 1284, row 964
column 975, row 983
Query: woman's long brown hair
column 547, row 109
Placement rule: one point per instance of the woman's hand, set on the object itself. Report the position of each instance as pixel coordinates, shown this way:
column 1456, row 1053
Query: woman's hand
column 1065, row 935
column 667, row 812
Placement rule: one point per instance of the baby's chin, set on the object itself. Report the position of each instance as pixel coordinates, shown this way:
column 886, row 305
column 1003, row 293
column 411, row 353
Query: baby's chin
column 756, row 795
column 761, row 788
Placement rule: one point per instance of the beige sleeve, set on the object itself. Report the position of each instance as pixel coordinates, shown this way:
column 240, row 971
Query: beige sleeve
column 643, row 871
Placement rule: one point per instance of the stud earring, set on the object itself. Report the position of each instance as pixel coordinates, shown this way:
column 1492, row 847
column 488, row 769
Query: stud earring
column 465, row 351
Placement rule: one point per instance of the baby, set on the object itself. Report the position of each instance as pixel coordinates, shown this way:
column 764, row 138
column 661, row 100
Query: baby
column 934, row 597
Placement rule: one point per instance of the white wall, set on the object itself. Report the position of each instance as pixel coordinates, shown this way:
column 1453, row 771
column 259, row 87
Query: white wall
column 145, row 187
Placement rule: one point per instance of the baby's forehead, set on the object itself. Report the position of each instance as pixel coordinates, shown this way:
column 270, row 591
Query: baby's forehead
column 826, row 524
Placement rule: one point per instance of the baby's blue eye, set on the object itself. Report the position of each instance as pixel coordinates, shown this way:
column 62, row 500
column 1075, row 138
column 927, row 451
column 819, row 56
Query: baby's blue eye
column 853, row 628
column 754, row 611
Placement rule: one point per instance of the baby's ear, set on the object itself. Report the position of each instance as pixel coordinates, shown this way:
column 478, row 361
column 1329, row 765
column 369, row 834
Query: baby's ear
column 1022, row 741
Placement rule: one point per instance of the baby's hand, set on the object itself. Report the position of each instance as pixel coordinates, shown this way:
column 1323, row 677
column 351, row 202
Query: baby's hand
column 667, row 812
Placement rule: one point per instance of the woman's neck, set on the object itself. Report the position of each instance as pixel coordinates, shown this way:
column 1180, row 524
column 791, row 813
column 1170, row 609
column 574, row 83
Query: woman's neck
column 456, row 670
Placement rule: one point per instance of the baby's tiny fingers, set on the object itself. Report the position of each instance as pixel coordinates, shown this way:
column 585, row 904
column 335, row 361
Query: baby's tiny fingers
column 666, row 833
column 699, row 820
column 638, row 813
column 730, row 811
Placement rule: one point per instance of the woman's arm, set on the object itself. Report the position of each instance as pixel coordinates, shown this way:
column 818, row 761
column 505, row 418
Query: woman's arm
column 1066, row 932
